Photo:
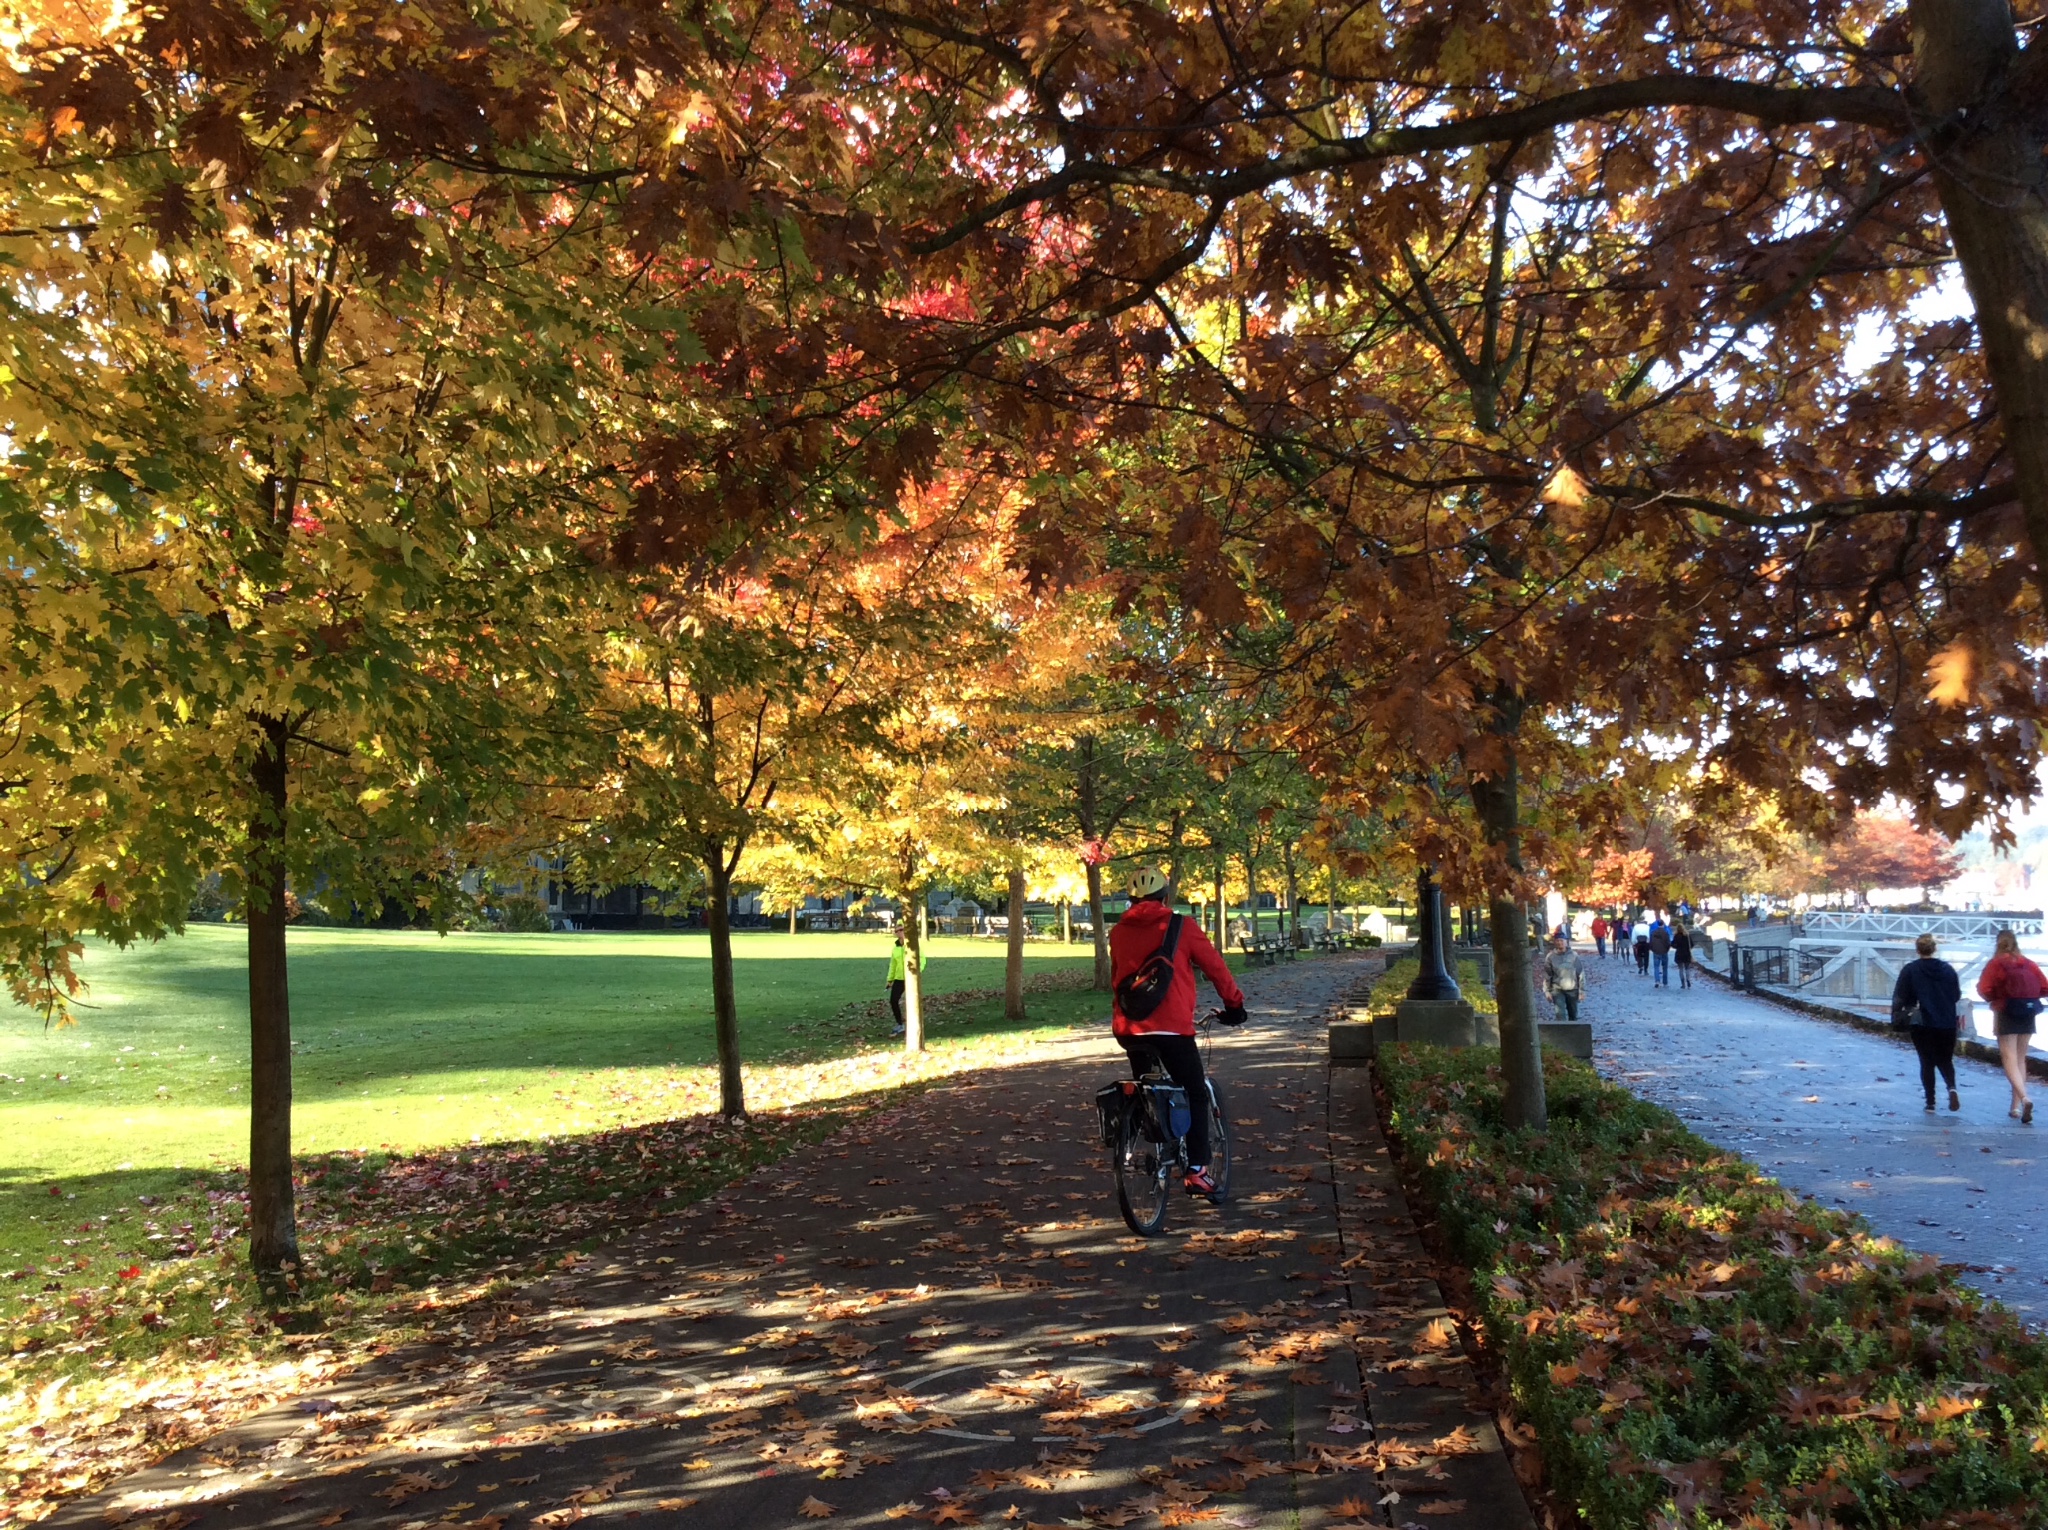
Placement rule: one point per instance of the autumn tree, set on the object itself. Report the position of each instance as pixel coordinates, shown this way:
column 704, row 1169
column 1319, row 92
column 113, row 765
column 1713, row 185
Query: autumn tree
column 1887, row 850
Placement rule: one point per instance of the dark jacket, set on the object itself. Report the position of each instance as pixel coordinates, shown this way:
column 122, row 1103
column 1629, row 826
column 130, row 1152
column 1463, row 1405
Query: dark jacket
column 1930, row 983
column 1681, row 945
column 1660, row 937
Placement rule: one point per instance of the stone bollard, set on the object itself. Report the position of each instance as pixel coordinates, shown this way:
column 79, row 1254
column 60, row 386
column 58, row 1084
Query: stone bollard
column 1574, row 1038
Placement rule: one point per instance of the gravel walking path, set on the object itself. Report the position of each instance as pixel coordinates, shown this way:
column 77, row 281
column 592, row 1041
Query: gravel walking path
column 1835, row 1113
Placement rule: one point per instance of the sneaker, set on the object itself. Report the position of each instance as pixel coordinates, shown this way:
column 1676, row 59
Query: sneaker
column 1930, row 1102
column 2027, row 1114
column 1955, row 1101
column 1199, row 1182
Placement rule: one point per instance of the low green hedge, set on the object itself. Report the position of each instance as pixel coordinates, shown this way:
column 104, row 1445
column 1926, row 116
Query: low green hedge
column 1694, row 1344
column 1388, row 992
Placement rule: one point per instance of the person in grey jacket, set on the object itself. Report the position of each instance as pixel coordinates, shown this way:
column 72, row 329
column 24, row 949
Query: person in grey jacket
column 1926, row 997
column 1564, row 978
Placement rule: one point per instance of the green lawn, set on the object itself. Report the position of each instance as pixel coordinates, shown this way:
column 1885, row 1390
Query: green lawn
column 408, row 1040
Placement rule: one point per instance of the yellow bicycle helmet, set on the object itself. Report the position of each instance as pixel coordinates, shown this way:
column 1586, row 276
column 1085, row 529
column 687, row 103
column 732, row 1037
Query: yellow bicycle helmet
column 1144, row 881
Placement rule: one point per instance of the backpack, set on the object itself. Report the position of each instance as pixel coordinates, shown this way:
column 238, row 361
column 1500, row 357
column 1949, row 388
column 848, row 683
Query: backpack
column 1145, row 990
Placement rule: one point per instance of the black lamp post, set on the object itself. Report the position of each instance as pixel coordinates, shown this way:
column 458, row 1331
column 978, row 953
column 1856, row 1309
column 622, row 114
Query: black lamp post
column 1434, row 981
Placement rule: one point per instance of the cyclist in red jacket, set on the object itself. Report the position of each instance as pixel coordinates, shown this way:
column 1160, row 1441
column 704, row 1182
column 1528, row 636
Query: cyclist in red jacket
column 1168, row 1033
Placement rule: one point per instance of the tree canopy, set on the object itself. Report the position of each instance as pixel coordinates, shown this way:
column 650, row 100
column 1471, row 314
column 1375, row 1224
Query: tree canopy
column 888, row 437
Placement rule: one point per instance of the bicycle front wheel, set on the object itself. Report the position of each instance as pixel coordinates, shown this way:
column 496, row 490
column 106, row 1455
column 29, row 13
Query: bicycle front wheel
column 1139, row 1166
column 1219, row 1142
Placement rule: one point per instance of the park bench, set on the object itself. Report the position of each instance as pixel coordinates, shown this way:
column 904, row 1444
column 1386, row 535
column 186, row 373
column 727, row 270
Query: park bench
column 1265, row 950
column 1343, row 940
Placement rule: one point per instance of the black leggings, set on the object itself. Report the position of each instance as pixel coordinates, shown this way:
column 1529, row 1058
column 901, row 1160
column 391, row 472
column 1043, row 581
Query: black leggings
column 1937, row 1048
column 1183, row 1061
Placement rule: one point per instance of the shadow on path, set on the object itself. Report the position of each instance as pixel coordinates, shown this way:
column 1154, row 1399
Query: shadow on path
column 934, row 1315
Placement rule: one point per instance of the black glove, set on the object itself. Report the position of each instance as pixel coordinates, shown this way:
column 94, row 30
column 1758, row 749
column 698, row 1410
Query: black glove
column 1233, row 1014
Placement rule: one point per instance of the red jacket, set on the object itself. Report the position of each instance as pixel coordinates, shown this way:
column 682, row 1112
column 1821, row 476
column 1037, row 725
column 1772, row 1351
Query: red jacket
column 1135, row 939
column 2010, row 977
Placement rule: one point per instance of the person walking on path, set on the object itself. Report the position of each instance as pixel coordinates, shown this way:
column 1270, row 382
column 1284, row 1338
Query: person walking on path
column 2014, row 986
column 1927, row 997
column 1642, row 946
column 899, row 971
column 1166, row 1028
column 1600, row 933
column 1660, row 952
column 1624, row 937
column 1564, row 978
column 1681, row 953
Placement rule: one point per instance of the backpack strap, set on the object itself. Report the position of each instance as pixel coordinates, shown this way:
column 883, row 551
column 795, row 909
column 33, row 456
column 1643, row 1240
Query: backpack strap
column 1172, row 942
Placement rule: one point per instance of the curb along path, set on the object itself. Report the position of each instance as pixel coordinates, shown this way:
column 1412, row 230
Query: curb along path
column 934, row 1317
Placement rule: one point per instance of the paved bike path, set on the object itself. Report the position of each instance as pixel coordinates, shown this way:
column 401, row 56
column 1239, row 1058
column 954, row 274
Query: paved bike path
column 934, row 1317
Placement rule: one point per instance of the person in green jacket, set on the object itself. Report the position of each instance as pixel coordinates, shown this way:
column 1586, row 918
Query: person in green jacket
column 899, row 966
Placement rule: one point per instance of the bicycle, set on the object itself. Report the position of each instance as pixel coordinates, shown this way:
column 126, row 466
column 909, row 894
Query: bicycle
column 1145, row 1122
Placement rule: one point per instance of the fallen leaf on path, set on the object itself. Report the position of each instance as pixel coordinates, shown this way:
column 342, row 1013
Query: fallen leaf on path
column 408, row 1485
column 816, row 1508
column 1442, row 1506
column 675, row 1503
column 1352, row 1508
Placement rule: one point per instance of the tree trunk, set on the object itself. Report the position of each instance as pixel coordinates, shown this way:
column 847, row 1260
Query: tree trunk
column 1222, row 935
column 792, row 919
column 1251, row 891
column 1102, row 969
column 1176, row 856
column 1066, row 923
column 1993, row 184
column 725, row 1012
column 913, row 970
column 1013, row 955
column 273, row 1220
column 1333, row 897
column 1498, row 802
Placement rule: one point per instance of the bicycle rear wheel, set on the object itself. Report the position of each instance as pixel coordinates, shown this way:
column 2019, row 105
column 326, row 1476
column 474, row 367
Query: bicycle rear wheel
column 1139, row 1166
column 1219, row 1142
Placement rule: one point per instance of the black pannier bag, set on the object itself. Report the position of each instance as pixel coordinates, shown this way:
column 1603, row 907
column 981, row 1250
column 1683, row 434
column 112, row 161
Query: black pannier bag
column 1109, row 1104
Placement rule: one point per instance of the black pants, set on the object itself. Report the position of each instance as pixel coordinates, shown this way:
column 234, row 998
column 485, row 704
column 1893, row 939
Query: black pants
column 896, row 1001
column 1936, row 1045
column 1183, row 1061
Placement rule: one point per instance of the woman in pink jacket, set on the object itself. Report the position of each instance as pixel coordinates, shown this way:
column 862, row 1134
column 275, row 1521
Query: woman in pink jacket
column 2014, row 986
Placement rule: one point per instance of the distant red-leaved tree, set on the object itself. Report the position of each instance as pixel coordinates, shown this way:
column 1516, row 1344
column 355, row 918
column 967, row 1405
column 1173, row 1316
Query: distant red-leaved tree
column 1885, row 850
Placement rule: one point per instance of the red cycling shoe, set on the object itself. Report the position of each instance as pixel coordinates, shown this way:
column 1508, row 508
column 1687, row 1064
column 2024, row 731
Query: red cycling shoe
column 1199, row 1182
